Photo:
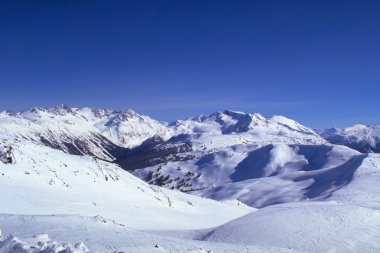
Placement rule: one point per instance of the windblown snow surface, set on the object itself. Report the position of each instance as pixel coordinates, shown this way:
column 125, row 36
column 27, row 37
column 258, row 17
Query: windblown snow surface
column 258, row 185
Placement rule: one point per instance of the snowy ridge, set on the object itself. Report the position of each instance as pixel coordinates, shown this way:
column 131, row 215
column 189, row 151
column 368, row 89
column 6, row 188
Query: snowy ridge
column 229, row 128
column 260, row 175
column 362, row 138
column 107, row 134
column 97, row 132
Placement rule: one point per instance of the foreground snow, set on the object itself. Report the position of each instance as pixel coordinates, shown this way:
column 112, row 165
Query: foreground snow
column 311, row 227
column 83, row 234
column 37, row 244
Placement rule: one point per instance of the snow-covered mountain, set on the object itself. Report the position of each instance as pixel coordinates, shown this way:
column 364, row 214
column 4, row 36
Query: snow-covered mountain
column 228, row 128
column 71, row 181
column 203, row 136
column 204, row 155
column 232, row 155
column 98, row 132
column 362, row 138
column 107, row 134
column 259, row 175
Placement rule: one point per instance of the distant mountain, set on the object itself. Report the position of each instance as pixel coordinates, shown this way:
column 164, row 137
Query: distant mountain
column 203, row 136
column 365, row 139
column 101, row 133
column 107, row 134
column 233, row 155
column 238, row 127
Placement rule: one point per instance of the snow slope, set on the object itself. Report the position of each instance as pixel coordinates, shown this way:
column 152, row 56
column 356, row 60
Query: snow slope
column 259, row 175
column 86, row 234
column 47, row 181
column 310, row 227
column 71, row 197
column 365, row 139
column 349, row 221
column 290, row 173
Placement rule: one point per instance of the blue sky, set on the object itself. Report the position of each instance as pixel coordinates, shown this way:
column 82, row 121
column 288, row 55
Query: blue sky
column 315, row 61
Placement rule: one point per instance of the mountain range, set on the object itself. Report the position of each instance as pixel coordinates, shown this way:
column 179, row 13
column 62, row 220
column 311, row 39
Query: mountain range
column 89, row 166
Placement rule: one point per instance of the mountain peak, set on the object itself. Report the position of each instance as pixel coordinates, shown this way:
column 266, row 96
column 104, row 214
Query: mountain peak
column 7, row 112
column 233, row 113
column 61, row 109
column 131, row 113
column 37, row 109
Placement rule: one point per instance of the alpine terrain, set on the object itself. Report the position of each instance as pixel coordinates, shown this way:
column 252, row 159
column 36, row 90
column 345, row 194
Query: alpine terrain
column 96, row 180
column 365, row 139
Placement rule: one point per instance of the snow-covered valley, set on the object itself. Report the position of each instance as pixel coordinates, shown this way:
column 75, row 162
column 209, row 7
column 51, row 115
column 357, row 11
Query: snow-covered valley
column 78, row 185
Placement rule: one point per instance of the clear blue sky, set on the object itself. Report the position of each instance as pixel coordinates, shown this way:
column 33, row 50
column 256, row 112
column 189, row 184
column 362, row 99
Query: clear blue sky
column 315, row 61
